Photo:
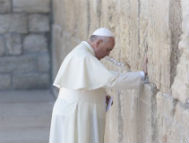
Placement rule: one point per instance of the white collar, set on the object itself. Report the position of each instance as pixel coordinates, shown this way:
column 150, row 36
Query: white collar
column 88, row 46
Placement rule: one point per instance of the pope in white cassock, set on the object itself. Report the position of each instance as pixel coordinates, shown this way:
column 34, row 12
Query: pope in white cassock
column 78, row 114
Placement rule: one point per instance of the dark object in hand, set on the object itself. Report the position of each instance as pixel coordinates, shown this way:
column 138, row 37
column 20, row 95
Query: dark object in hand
column 107, row 100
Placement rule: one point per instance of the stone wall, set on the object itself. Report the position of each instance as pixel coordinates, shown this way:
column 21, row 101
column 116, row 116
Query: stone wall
column 159, row 111
column 24, row 44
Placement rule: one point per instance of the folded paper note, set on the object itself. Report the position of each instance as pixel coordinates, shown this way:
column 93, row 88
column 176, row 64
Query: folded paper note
column 109, row 103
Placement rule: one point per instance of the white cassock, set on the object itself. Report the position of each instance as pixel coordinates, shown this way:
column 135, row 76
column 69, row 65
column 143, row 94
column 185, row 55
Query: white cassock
column 79, row 112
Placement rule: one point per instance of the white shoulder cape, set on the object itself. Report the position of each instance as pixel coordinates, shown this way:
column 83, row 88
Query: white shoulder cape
column 82, row 70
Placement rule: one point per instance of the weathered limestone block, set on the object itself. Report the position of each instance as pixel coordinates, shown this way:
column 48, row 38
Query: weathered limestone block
column 5, row 6
column 2, row 46
column 13, row 23
column 164, row 117
column 5, row 81
column 165, row 105
column 30, row 81
column 43, row 62
column 39, row 23
column 13, row 44
column 31, row 6
column 71, row 23
column 175, row 24
column 19, row 64
column 56, row 36
column 159, row 44
column 180, row 87
column 35, row 43
column 59, row 38
column 175, row 128
column 172, row 120
column 181, row 127
column 5, row 23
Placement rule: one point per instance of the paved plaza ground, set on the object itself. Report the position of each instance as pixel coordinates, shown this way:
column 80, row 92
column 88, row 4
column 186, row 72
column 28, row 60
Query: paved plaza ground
column 25, row 116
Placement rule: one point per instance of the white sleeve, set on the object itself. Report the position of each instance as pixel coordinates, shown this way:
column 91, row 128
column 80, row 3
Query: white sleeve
column 127, row 80
column 142, row 74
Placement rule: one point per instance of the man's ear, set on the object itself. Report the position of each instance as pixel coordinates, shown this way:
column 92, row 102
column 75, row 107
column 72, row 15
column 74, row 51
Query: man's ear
column 98, row 42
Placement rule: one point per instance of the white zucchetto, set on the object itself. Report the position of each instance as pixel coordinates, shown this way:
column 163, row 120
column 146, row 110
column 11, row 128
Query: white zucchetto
column 103, row 32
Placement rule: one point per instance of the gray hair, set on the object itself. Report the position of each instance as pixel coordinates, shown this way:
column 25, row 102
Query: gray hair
column 93, row 38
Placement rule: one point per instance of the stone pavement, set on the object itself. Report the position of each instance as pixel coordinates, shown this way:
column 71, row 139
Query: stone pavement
column 25, row 116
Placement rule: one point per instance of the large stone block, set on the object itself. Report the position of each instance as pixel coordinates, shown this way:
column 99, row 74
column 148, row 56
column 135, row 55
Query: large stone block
column 56, row 36
column 5, row 81
column 181, row 126
column 180, row 86
column 19, row 64
column 14, row 44
column 35, row 43
column 165, row 105
column 31, row 5
column 30, row 81
column 164, row 117
column 13, row 23
column 2, row 46
column 39, row 23
column 174, row 129
column 76, row 26
column 5, row 6
column 43, row 62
